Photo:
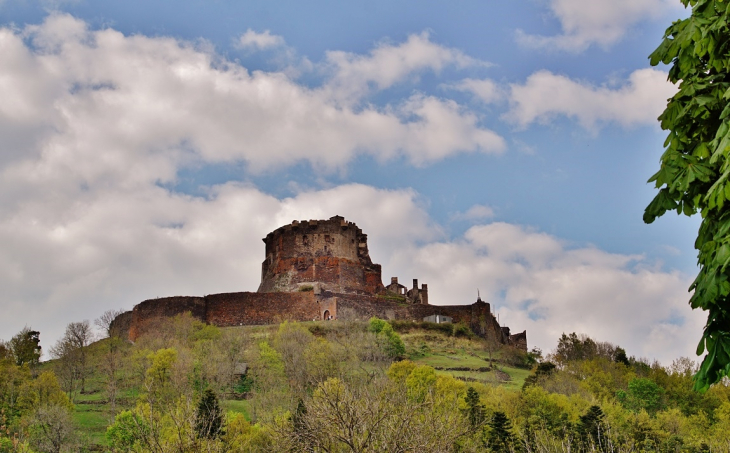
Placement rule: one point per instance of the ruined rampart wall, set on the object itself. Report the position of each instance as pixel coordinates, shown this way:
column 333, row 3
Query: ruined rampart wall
column 355, row 307
column 146, row 313
column 234, row 309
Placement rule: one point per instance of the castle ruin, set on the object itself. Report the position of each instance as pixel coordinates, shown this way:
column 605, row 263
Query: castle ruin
column 318, row 270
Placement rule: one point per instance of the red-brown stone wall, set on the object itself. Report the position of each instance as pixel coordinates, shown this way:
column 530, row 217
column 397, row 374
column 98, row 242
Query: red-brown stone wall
column 146, row 313
column 233, row 309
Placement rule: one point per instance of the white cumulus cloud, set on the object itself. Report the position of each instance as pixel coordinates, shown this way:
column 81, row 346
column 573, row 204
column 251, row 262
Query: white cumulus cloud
column 485, row 90
column 151, row 104
column 354, row 75
column 476, row 212
column 544, row 96
column 587, row 22
column 259, row 41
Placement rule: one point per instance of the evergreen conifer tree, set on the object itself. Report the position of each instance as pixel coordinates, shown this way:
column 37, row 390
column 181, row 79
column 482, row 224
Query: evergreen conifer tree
column 590, row 428
column 475, row 410
column 499, row 438
column 209, row 416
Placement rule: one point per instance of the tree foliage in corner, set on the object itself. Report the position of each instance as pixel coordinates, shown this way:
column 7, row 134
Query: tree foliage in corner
column 696, row 164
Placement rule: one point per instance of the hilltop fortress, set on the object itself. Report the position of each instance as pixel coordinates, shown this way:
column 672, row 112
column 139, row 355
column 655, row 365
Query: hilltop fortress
column 318, row 270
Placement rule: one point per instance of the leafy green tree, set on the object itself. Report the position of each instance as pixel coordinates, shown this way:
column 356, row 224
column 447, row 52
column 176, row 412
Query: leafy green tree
column 696, row 164
column 644, row 394
column 26, row 347
column 575, row 347
column 209, row 416
column 393, row 344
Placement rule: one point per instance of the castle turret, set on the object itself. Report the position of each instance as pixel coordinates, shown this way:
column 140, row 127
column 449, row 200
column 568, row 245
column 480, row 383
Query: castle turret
column 330, row 255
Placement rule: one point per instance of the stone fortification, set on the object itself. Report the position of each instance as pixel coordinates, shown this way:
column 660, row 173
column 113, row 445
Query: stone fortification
column 332, row 254
column 317, row 270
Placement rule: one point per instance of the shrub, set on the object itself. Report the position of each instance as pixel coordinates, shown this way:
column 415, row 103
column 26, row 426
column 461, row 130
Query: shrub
column 462, row 330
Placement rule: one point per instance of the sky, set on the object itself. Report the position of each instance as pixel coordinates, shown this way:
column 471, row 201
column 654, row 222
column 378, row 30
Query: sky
column 500, row 147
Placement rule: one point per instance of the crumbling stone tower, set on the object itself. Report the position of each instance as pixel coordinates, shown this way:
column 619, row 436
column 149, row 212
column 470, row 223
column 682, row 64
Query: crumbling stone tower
column 319, row 255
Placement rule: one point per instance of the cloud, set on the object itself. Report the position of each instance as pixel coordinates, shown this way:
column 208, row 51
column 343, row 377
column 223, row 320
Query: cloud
column 485, row 90
column 354, row 76
column 588, row 22
column 259, row 41
column 476, row 212
column 545, row 95
column 154, row 104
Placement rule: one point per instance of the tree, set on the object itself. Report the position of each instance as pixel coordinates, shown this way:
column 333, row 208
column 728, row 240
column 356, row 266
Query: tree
column 575, row 347
column 696, row 165
column 643, row 394
column 51, row 428
column 591, row 427
column 499, row 437
column 474, row 408
column 26, row 347
column 106, row 320
column 209, row 416
column 70, row 350
column 391, row 341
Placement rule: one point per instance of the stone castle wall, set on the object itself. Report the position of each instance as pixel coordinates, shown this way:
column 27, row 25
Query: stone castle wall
column 245, row 308
column 235, row 309
column 315, row 270
column 147, row 313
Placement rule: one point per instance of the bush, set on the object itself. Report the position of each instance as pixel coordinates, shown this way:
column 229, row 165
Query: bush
column 515, row 357
column 377, row 325
column 394, row 346
column 462, row 330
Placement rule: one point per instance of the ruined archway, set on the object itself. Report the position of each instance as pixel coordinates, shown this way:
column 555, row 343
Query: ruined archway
column 326, row 315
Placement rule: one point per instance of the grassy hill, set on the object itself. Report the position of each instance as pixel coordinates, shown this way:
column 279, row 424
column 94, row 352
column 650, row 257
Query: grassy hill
column 329, row 386
column 464, row 357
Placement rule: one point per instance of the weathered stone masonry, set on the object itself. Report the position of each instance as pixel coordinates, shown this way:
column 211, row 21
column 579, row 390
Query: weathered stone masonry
column 313, row 270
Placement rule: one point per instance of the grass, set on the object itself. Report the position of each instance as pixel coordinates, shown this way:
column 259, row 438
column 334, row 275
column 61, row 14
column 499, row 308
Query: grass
column 440, row 350
column 518, row 376
column 92, row 420
column 237, row 406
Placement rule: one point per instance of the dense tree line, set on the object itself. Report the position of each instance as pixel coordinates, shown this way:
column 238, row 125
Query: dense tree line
column 351, row 387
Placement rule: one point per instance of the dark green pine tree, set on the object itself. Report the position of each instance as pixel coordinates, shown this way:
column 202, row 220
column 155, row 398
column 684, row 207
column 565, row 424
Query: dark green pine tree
column 499, row 438
column 475, row 409
column 543, row 370
column 621, row 357
column 590, row 428
column 209, row 416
